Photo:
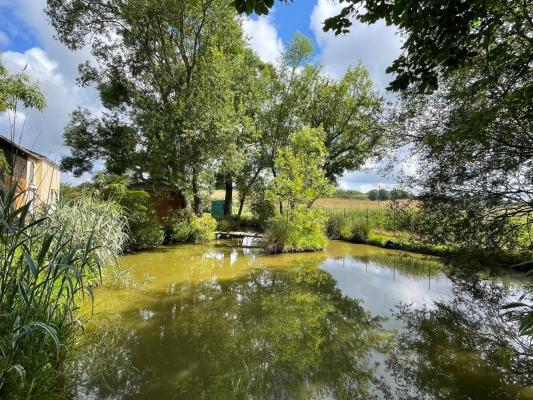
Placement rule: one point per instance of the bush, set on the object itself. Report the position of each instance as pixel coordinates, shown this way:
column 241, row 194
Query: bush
column 237, row 223
column 298, row 230
column 350, row 227
column 262, row 208
column 185, row 227
column 203, row 228
column 356, row 231
column 145, row 232
column 335, row 226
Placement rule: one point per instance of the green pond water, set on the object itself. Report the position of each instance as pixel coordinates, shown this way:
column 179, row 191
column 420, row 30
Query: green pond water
column 219, row 321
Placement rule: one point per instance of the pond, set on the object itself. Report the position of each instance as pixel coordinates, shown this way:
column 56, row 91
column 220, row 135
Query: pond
column 219, row 321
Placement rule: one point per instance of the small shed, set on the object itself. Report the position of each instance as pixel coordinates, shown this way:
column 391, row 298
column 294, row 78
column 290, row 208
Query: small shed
column 164, row 199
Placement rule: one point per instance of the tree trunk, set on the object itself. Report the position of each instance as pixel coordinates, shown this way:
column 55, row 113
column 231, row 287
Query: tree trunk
column 280, row 203
column 196, row 194
column 241, row 203
column 228, row 200
column 183, row 199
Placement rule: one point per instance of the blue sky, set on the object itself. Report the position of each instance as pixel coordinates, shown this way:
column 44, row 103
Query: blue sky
column 26, row 41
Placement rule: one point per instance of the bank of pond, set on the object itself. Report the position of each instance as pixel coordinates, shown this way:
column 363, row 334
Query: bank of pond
column 222, row 321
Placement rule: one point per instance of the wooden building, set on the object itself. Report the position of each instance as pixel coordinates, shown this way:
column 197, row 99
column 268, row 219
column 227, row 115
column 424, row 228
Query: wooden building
column 37, row 177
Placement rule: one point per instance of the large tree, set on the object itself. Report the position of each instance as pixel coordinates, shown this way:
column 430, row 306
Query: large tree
column 350, row 113
column 164, row 69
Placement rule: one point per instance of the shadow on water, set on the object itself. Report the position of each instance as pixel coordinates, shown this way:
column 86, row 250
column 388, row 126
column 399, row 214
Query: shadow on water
column 224, row 323
column 267, row 335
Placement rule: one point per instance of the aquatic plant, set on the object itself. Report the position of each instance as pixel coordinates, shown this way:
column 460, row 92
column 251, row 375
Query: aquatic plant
column 89, row 218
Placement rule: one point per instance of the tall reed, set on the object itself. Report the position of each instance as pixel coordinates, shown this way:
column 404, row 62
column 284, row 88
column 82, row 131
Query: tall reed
column 44, row 275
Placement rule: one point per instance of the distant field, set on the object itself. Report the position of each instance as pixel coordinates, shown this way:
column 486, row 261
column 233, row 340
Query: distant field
column 220, row 194
column 327, row 202
column 350, row 203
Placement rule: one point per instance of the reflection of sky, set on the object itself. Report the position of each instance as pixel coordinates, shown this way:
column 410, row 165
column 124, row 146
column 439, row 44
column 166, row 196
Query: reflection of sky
column 382, row 288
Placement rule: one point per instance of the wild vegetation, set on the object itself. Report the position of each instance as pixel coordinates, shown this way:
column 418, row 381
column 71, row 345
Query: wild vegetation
column 187, row 103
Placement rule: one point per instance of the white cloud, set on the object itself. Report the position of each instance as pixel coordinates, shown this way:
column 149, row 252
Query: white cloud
column 55, row 69
column 263, row 38
column 43, row 131
column 375, row 45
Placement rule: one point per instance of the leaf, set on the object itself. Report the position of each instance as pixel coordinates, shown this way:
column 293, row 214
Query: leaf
column 513, row 305
column 50, row 331
column 526, row 325
column 20, row 370
column 33, row 268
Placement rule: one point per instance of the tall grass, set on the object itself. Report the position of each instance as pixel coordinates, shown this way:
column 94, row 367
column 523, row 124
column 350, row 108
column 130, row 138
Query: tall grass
column 47, row 264
column 87, row 217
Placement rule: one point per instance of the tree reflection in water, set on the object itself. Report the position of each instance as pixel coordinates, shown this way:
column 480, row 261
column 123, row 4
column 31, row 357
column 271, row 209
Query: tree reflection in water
column 462, row 348
column 270, row 335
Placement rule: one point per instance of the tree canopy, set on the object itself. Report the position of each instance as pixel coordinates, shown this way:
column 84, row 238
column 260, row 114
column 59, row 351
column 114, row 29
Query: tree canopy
column 440, row 36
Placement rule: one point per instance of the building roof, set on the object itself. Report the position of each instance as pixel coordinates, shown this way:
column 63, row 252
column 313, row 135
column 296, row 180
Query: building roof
column 24, row 150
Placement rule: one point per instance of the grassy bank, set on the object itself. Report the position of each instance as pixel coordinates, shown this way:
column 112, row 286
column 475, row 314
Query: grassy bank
column 386, row 227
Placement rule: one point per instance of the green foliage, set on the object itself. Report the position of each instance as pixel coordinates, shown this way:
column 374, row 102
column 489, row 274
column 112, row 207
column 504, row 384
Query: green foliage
column 15, row 88
column 262, row 208
column 145, row 231
column 176, row 96
column 238, row 223
column 351, row 114
column 298, row 230
column 349, row 194
column 260, row 7
column 349, row 227
column 300, row 178
column 90, row 219
column 5, row 170
column 186, row 227
column 46, row 268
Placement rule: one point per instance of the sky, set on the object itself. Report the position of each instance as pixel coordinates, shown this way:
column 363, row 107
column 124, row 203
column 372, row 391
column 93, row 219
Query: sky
column 27, row 43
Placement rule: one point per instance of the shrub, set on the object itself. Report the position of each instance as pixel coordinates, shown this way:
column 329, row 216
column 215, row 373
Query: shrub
column 236, row 223
column 347, row 226
column 356, row 231
column 298, row 230
column 262, row 208
column 186, row 227
column 145, row 232
column 203, row 228
column 335, row 225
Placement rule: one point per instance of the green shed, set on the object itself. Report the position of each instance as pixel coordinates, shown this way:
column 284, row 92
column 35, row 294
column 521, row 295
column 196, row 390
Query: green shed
column 217, row 208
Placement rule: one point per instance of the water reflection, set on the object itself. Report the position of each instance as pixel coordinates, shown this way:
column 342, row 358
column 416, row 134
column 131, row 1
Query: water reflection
column 269, row 335
column 219, row 322
column 462, row 348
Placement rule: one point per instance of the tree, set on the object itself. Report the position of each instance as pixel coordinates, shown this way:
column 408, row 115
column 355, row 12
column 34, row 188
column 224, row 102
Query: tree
column 475, row 161
column 288, row 95
column 351, row 115
column 349, row 111
column 240, row 158
column 300, row 167
column 440, row 36
column 164, row 70
column 16, row 89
